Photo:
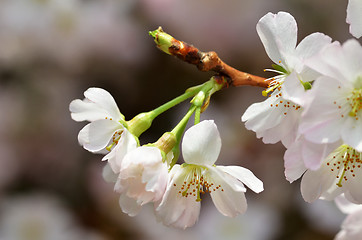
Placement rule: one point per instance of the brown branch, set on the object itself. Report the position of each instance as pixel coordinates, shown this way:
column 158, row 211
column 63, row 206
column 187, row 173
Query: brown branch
column 205, row 61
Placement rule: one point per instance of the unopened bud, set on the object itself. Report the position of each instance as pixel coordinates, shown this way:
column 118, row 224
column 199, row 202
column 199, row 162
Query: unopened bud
column 140, row 124
column 162, row 39
column 166, row 142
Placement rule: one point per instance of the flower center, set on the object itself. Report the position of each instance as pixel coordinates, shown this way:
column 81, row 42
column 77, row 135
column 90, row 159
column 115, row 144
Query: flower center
column 196, row 182
column 355, row 101
column 345, row 160
column 115, row 139
column 276, row 83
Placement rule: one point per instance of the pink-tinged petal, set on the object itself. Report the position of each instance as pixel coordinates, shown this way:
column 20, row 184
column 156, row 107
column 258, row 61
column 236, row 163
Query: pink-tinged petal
column 293, row 162
column 126, row 143
column 108, row 174
column 324, row 132
column 352, row 133
column 245, row 176
column 129, row 205
column 228, row 201
column 201, row 143
column 175, row 209
column 278, row 33
column 144, row 166
column 95, row 136
column 322, row 120
column 136, row 190
column 105, row 100
column 354, row 17
column 142, row 156
column 188, row 218
column 346, row 206
column 314, row 154
column 338, row 62
column 315, row 183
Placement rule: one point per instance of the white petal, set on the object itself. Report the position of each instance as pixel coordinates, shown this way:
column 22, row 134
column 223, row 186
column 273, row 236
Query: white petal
column 285, row 131
column 108, row 174
column 354, row 17
column 278, row 33
column 228, row 201
column 293, row 162
column 245, row 176
column 315, row 183
column 293, row 90
column 105, row 100
column 86, row 111
column 96, row 135
column 175, row 209
column 263, row 115
column 353, row 185
column 346, row 206
column 307, row 48
column 97, row 105
column 201, row 144
column 129, row 205
column 353, row 58
column 311, row 45
column 352, row 133
column 332, row 192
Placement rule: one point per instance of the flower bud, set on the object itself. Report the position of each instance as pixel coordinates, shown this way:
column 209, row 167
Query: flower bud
column 140, row 123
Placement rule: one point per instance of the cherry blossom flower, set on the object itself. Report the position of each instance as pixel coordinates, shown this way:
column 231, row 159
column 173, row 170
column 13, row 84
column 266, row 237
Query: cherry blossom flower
column 354, row 17
column 340, row 172
column 180, row 206
column 276, row 118
column 143, row 178
column 106, row 127
column 335, row 111
column 351, row 228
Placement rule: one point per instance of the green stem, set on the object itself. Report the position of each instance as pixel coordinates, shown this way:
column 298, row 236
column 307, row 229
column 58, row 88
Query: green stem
column 197, row 115
column 178, row 132
column 180, row 127
column 174, row 102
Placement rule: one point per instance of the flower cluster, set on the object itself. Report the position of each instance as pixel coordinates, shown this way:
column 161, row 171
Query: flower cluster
column 149, row 173
column 314, row 107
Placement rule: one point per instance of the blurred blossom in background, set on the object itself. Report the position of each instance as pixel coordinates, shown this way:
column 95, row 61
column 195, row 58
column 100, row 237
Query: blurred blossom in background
column 51, row 51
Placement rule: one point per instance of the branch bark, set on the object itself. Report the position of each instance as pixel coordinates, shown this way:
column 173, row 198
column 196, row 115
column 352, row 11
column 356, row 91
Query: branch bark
column 205, row 61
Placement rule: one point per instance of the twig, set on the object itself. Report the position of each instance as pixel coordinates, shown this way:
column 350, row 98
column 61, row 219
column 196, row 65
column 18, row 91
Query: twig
column 205, row 61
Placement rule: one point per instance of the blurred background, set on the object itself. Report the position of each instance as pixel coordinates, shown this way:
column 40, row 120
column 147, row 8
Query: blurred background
column 51, row 51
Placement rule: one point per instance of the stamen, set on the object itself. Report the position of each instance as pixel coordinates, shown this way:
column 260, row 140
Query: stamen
column 355, row 102
column 344, row 160
column 196, row 182
column 115, row 139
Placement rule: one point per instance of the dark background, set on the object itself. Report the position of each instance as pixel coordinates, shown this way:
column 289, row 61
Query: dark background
column 51, row 51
